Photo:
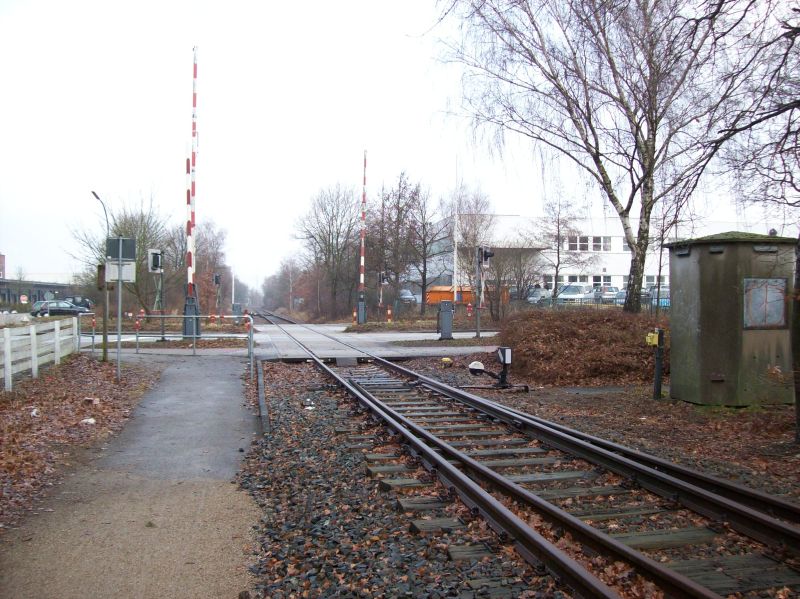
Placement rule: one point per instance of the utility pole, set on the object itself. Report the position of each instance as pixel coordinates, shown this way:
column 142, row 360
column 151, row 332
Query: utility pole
column 104, row 284
column 361, row 309
column 478, row 290
column 455, row 258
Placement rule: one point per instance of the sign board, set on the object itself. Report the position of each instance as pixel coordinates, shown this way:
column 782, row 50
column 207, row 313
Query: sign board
column 128, row 272
column 128, row 249
column 23, row 299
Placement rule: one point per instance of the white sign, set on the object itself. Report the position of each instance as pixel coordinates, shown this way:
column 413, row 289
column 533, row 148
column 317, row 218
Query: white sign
column 128, row 272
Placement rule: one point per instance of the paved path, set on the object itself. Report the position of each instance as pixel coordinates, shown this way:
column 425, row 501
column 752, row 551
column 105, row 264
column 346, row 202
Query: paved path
column 274, row 343
column 154, row 514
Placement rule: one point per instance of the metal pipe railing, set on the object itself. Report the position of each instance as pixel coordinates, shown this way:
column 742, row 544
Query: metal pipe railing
column 137, row 333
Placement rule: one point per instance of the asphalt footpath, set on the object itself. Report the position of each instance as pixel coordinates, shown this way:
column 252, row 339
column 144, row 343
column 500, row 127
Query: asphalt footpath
column 153, row 513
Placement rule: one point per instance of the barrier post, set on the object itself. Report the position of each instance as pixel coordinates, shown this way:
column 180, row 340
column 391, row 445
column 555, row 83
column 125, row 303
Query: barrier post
column 389, row 315
column 250, row 346
column 57, row 342
column 76, row 333
column 7, row 358
column 34, row 353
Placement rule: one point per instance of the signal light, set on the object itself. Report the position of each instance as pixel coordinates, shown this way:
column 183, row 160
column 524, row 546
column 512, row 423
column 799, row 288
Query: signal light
column 154, row 263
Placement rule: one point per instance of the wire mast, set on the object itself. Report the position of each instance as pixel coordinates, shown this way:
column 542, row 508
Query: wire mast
column 362, row 300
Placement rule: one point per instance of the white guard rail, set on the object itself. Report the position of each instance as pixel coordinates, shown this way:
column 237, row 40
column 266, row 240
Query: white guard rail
column 26, row 348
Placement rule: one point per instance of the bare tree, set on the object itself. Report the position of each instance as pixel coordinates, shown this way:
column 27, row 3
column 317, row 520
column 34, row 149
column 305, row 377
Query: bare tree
column 210, row 261
column 470, row 212
column 148, row 228
column 428, row 235
column 626, row 90
column 559, row 234
column 763, row 141
column 510, row 266
column 525, row 265
column 390, row 226
column 763, row 136
column 330, row 233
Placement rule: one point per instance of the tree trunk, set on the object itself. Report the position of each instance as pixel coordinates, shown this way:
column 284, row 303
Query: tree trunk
column 424, row 287
column 633, row 300
column 796, row 340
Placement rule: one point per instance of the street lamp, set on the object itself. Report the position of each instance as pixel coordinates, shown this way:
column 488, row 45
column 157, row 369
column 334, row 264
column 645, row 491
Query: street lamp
column 105, row 285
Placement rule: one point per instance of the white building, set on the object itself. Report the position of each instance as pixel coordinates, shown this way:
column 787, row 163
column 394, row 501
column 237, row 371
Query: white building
column 602, row 243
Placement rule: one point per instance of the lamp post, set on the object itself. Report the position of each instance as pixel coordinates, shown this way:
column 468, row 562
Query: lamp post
column 105, row 286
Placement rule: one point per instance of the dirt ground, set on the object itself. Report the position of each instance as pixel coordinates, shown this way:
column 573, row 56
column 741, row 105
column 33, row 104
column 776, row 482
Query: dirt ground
column 106, row 534
column 149, row 513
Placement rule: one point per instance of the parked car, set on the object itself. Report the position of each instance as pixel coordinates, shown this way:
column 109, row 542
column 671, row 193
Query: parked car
column 575, row 293
column 538, row 295
column 58, row 308
column 81, row 300
column 406, row 297
column 606, row 294
column 620, row 297
column 36, row 305
column 654, row 295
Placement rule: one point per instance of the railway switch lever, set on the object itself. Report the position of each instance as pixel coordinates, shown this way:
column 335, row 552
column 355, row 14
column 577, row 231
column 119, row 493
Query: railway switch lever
column 504, row 357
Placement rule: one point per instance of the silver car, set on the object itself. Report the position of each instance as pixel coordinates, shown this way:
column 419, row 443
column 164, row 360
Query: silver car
column 575, row 293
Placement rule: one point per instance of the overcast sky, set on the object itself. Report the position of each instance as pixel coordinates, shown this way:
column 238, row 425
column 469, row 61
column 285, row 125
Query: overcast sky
column 97, row 96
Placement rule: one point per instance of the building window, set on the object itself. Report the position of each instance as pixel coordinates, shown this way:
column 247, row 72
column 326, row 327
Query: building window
column 583, row 279
column 650, row 280
column 578, row 243
column 601, row 244
column 548, row 281
column 601, row 280
column 764, row 303
column 572, row 278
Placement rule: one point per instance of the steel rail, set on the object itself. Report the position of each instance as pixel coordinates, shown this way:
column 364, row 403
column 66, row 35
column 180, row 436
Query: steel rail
column 676, row 584
column 758, row 500
column 531, row 545
column 744, row 519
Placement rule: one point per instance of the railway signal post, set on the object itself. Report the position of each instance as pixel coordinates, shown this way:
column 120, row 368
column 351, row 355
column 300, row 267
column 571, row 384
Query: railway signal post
column 361, row 309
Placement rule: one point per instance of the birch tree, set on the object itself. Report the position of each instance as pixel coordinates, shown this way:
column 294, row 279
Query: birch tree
column 630, row 92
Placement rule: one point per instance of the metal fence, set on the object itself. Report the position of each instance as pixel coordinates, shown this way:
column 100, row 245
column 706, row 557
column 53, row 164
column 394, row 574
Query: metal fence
column 87, row 329
column 648, row 306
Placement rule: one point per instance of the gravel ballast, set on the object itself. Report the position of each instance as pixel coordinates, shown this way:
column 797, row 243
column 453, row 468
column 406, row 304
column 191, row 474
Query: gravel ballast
column 327, row 529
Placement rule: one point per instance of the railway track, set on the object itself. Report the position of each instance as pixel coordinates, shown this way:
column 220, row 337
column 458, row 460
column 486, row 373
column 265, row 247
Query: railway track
column 577, row 504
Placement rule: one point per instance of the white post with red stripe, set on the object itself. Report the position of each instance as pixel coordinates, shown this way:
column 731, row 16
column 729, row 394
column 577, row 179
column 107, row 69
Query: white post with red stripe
column 362, row 299
column 191, row 195
column 191, row 326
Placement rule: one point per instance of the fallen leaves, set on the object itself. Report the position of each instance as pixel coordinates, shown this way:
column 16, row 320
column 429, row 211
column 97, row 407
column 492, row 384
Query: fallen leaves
column 71, row 405
column 581, row 347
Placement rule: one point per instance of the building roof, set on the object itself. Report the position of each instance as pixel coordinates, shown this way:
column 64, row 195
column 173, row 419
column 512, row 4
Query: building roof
column 733, row 237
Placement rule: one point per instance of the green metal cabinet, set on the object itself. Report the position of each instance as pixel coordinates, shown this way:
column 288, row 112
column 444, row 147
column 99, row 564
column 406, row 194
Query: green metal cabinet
column 730, row 319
